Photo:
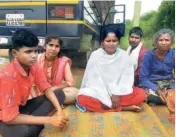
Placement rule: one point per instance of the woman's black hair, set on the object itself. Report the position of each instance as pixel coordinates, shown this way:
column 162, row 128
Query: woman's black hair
column 112, row 28
column 49, row 38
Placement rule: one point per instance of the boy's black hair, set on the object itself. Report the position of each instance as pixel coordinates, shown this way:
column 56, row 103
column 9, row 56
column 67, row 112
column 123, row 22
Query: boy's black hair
column 23, row 38
column 136, row 30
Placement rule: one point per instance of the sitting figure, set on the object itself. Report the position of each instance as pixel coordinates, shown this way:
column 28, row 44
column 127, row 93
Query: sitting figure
column 107, row 84
column 20, row 117
column 57, row 69
column 157, row 72
column 136, row 50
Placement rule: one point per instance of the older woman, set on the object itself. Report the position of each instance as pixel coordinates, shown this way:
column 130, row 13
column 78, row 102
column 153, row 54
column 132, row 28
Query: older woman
column 157, row 71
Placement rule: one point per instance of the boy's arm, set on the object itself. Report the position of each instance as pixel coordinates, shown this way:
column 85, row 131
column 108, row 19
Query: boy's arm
column 9, row 109
column 43, row 85
column 29, row 120
column 57, row 121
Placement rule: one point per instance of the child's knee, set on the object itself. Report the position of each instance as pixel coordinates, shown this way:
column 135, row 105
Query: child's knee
column 60, row 96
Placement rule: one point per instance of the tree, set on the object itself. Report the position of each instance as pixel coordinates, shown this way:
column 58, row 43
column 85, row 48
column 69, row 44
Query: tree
column 153, row 21
column 148, row 23
column 166, row 15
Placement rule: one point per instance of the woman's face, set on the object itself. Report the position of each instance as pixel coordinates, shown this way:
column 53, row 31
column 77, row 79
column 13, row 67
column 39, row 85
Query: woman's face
column 164, row 42
column 53, row 48
column 110, row 43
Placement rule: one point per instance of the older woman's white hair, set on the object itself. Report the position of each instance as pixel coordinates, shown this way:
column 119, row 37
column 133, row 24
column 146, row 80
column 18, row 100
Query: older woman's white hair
column 164, row 31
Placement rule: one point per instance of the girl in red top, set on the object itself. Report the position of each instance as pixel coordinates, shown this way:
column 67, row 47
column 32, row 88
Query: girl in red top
column 57, row 68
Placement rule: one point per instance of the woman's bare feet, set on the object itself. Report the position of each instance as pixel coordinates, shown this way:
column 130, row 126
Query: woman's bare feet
column 133, row 108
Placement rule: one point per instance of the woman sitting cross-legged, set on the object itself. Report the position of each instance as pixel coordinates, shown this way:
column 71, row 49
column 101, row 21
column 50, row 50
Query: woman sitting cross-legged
column 107, row 84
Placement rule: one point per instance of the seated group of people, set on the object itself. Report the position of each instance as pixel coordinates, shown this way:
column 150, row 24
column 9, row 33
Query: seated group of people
column 32, row 86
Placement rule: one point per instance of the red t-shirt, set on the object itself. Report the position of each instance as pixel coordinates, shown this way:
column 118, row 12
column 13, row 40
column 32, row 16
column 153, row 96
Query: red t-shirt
column 15, row 87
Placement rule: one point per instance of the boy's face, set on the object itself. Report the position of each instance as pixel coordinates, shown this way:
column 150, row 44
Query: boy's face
column 26, row 56
column 134, row 39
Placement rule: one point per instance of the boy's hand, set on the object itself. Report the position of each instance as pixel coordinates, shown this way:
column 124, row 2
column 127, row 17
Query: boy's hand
column 115, row 101
column 58, row 121
column 59, row 113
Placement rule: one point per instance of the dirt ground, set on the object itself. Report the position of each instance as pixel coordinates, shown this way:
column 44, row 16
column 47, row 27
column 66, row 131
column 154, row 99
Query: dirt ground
column 78, row 75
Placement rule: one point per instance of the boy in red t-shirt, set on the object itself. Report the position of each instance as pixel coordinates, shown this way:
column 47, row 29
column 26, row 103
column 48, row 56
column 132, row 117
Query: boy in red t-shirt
column 20, row 117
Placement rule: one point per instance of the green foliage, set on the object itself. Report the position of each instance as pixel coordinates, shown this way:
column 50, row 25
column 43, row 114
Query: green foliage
column 124, row 40
column 151, row 22
column 166, row 15
column 148, row 23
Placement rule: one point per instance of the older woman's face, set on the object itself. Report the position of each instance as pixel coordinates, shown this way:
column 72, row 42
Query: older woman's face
column 53, row 48
column 164, row 42
column 110, row 43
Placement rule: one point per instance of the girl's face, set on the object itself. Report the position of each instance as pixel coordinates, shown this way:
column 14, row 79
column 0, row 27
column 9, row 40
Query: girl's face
column 53, row 48
column 164, row 42
column 110, row 43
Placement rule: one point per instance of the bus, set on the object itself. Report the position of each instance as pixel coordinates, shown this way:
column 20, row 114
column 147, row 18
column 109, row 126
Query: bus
column 76, row 22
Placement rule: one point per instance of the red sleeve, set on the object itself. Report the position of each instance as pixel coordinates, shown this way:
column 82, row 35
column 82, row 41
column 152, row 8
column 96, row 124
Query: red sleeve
column 141, row 56
column 9, row 97
column 40, row 78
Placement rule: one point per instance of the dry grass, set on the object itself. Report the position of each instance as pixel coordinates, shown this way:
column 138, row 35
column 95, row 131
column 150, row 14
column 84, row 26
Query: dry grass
column 4, row 53
column 3, row 61
column 78, row 75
